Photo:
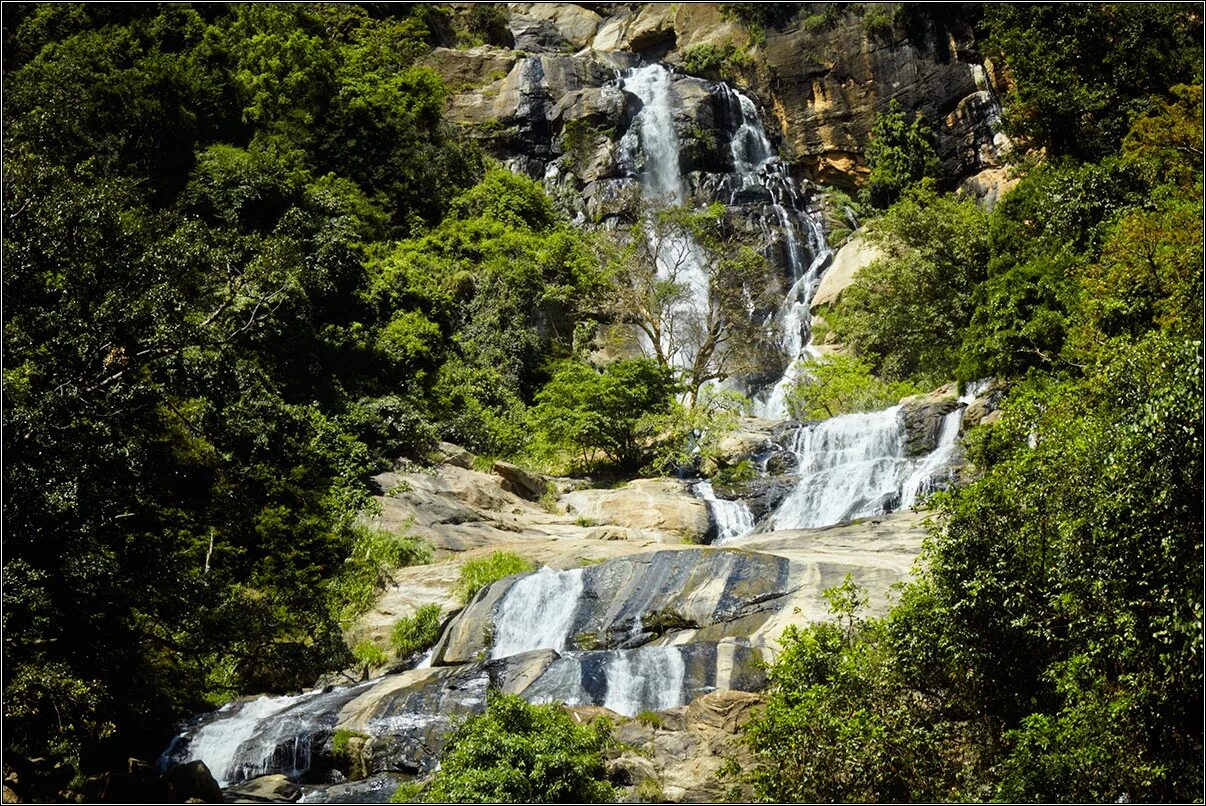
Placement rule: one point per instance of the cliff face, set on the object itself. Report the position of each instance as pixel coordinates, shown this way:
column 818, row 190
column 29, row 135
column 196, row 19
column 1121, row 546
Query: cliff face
column 819, row 88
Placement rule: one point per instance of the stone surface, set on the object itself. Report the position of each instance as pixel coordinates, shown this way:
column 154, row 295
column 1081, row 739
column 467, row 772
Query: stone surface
column 662, row 504
column 684, row 748
column 922, row 416
column 632, row 600
column 521, row 482
column 988, row 186
column 854, row 256
column 455, row 455
column 276, row 788
column 192, row 780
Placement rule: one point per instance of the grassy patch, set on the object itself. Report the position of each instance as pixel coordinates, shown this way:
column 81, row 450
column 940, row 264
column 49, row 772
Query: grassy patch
column 650, row 718
column 477, row 574
column 418, row 632
column 375, row 552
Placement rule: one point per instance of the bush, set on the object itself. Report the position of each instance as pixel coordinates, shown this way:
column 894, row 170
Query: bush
column 615, row 413
column 901, row 153
column 906, row 312
column 416, row 633
column 521, row 753
column 375, row 553
column 840, row 384
column 478, row 573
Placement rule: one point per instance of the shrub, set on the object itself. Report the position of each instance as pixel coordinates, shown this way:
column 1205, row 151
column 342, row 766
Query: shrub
column 901, row 152
column 521, row 753
column 478, row 573
column 375, row 553
column 839, row 384
column 416, row 633
column 369, row 654
column 650, row 718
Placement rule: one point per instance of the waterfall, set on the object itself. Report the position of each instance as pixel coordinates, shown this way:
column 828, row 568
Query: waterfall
column 849, row 467
column 242, row 740
column 537, row 612
column 645, row 679
column 756, row 165
column 733, row 519
column 651, row 148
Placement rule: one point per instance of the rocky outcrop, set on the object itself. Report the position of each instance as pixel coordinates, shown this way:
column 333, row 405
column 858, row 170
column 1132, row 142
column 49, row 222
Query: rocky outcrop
column 275, row 788
column 922, row 416
column 523, row 483
column 854, row 256
column 823, row 86
column 988, row 187
column 661, row 504
column 631, row 601
column 681, row 750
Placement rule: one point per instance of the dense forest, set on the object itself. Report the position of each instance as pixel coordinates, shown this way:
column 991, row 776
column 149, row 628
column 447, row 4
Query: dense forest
column 248, row 264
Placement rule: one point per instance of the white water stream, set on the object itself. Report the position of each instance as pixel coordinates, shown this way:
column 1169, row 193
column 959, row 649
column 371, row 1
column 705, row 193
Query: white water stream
column 733, row 519
column 537, row 612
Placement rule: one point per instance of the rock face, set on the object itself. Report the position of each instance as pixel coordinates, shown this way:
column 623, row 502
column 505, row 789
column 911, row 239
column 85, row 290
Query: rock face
column 922, row 416
column 522, row 482
column 685, row 748
column 823, row 86
column 630, row 601
column 663, row 504
column 854, row 256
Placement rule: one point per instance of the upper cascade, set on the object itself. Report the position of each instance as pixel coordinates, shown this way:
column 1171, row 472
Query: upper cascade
column 751, row 179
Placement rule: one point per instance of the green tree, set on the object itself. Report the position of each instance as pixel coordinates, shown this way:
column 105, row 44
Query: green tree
column 905, row 313
column 618, row 411
column 900, row 153
column 1083, row 72
column 520, row 753
column 840, row 384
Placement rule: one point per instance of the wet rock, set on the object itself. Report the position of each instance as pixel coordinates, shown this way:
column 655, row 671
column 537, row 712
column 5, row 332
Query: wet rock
column 275, row 788
column 782, row 462
column 660, row 504
column 631, row 600
column 521, row 482
column 762, row 494
column 192, row 779
column 922, row 417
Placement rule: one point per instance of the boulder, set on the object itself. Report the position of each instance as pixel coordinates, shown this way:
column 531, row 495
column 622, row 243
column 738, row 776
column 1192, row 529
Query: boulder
column 575, row 25
column 750, row 436
column 455, row 455
column 988, row 186
column 854, row 256
column 275, row 788
column 463, row 69
column 192, row 780
column 922, row 416
column 632, row 600
column 523, row 483
column 536, row 35
column 655, row 504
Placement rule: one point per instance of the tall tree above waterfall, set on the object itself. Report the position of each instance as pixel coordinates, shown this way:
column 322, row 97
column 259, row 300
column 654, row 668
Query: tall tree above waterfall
column 683, row 280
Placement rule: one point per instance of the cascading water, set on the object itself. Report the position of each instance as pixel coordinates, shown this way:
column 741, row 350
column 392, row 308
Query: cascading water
column 733, row 519
column 269, row 734
column 756, row 166
column 651, row 148
column 645, row 679
column 537, row 612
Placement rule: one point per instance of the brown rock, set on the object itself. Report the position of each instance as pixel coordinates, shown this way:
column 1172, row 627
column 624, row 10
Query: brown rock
column 655, row 504
column 268, row 789
column 521, row 482
column 193, row 780
column 854, row 256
